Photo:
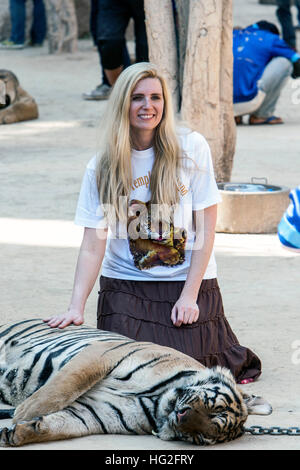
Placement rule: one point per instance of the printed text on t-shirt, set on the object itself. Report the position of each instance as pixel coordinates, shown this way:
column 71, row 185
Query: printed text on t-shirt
column 145, row 181
column 141, row 181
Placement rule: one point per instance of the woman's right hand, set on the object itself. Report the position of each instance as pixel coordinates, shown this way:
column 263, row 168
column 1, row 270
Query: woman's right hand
column 89, row 261
column 71, row 316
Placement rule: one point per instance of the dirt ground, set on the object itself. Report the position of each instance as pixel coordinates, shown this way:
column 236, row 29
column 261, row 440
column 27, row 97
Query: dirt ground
column 41, row 166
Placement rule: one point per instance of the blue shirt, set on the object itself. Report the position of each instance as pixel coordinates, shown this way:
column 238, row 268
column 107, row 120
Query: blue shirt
column 252, row 51
column 289, row 226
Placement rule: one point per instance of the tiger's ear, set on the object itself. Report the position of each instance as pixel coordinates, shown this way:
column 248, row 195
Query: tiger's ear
column 257, row 405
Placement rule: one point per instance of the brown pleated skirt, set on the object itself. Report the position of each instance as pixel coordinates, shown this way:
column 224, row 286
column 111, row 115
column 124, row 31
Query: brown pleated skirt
column 141, row 310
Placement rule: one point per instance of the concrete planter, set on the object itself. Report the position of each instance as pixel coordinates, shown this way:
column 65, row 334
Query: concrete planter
column 251, row 208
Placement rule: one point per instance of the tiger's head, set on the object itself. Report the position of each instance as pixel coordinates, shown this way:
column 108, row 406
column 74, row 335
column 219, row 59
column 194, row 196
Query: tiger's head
column 146, row 222
column 209, row 411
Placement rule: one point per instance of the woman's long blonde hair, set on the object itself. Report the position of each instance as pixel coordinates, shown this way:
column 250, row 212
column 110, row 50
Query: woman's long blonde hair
column 114, row 173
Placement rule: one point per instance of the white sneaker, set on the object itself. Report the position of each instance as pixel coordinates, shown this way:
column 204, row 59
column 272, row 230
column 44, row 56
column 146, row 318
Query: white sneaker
column 101, row 92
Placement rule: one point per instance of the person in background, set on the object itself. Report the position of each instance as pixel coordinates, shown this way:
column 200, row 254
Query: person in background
column 289, row 227
column 262, row 63
column 102, row 91
column 112, row 18
column 18, row 21
column 285, row 18
column 297, row 27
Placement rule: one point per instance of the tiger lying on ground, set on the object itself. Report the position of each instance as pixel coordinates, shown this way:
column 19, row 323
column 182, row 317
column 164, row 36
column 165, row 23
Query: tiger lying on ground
column 79, row 381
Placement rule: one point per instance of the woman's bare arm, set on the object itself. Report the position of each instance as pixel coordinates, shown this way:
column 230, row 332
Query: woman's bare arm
column 89, row 262
column 186, row 309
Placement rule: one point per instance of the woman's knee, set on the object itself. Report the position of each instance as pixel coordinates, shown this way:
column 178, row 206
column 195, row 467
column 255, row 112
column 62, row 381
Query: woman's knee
column 275, row 74
column 284, row 65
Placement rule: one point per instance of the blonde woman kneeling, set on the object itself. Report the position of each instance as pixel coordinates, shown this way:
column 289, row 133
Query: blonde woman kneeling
column 148, row 203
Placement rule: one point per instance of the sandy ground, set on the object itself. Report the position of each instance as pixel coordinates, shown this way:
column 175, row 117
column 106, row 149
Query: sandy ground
column 41, row 166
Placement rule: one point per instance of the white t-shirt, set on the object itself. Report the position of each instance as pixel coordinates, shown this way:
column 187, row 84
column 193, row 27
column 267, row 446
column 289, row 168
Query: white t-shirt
column 148, row 257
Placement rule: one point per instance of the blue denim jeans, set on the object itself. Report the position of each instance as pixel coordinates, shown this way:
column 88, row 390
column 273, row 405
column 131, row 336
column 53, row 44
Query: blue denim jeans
column 297, row 3
column 113, row 21
column 18, row 18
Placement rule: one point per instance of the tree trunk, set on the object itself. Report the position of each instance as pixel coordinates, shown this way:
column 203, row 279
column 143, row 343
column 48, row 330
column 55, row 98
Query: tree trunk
column 205, row 57
column 225, row 163
column 62, row 26
column 200, row 97
column 182, row 11
column 162, row 42
column 207, row 87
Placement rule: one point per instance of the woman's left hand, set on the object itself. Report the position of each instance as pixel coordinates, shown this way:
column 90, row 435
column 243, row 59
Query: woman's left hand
column 184, row 311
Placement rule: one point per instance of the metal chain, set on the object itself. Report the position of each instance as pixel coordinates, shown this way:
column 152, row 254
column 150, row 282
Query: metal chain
column 273, row 431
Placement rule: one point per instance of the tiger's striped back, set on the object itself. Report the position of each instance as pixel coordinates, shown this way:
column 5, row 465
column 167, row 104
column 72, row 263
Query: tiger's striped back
column 30, row 352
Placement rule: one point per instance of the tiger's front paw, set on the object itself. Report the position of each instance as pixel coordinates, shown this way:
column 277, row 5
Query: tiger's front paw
column 35, row 405
column 19, row 434
column 26, row 411
column 6, row 437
